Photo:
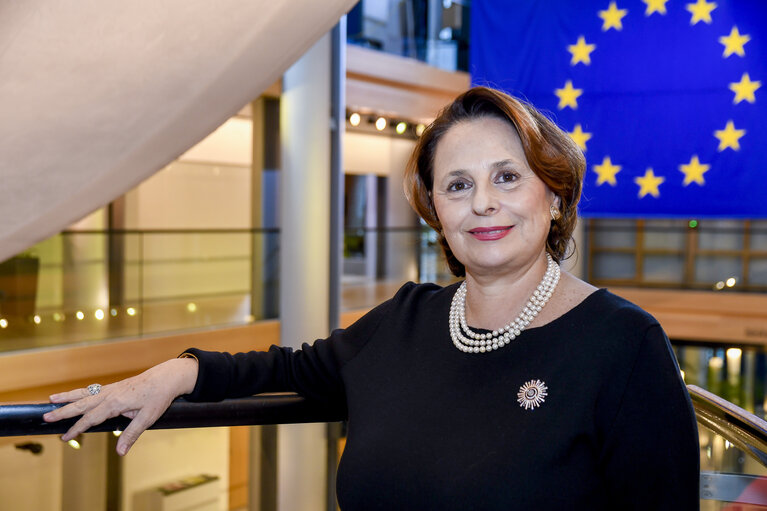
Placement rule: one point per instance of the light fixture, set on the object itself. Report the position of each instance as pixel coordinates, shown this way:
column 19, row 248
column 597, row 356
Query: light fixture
column 80, row 315
column 419, row 129
column 99, row 314
column 130, row 311
column 734, row 353
column 719, row 285
column 191, row 307
column 380, row 124
column 401, row 127
column 37, row 319
column 354, row 119
column 58, row 317
column 730, row 282
column 74, row 444
column 113, row 312
column 117, row 433
column 3, row 323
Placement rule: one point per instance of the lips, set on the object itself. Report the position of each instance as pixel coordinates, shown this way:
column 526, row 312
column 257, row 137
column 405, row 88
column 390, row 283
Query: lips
column 490, row 233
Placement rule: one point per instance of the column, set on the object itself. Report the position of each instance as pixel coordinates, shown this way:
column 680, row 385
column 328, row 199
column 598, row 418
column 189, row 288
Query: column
column 304, row 258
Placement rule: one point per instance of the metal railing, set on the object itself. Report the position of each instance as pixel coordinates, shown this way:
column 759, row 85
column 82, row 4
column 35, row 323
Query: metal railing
column 744, row 431
column 737, row 426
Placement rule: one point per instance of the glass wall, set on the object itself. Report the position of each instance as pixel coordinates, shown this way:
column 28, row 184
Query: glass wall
column 432, row 31
column 716, row 255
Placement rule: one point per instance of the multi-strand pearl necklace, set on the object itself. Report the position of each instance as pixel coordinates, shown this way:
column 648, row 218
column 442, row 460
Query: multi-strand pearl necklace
column 466, row 340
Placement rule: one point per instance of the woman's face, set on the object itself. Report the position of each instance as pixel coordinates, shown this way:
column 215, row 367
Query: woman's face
column 493, row 208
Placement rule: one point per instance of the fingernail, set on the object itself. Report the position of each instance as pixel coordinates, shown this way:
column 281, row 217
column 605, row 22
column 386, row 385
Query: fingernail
column 121, row 451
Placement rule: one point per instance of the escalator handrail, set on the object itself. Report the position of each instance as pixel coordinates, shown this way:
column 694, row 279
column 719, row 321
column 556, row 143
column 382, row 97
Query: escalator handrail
column 740, row 427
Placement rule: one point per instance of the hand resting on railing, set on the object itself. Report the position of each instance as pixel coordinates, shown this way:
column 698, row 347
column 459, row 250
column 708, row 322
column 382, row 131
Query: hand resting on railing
column 142, row 398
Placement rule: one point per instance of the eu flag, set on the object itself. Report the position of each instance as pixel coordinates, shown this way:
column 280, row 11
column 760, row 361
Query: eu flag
column 667, row 98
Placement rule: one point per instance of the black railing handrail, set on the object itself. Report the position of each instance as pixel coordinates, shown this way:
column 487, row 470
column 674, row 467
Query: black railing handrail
column 27, row 419
column 742, row 428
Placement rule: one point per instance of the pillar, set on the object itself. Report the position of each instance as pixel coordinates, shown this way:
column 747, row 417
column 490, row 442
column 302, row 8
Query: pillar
column 304, row 258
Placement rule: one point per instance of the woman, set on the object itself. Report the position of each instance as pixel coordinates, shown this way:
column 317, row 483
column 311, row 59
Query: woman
column 520, row 388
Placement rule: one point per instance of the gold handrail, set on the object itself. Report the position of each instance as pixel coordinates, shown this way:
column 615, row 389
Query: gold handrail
column 740, row 427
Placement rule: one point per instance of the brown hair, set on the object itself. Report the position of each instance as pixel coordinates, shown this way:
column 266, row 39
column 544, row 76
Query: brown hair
column 551, row 153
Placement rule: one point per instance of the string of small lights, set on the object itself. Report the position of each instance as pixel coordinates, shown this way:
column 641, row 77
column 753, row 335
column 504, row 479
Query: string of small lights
column 373, row 122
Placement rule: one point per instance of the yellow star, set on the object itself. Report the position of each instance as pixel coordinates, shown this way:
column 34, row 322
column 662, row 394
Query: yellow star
column 606, row 172
column 693, row 171
column 655, row 6
column 744, row 89
column 581, row 51
column 729, row 137
column 568, row 96
column 649, row 183
column 611, row 18
column 701, row 11
column 579, row 136
column 734, row 42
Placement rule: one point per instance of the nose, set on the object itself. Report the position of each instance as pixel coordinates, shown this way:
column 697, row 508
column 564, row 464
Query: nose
column 483, row 201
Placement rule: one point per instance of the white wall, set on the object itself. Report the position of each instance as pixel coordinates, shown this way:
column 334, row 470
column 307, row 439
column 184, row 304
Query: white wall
column 160, row 457
column 28, row 481
column 206, row 188
column 371, row 154
column 84, row 477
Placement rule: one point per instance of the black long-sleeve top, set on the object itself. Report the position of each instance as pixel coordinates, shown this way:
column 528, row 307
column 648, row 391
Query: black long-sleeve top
column 431, row 427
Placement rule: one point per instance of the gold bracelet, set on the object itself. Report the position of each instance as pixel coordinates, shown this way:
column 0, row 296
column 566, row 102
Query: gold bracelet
column 186, row 354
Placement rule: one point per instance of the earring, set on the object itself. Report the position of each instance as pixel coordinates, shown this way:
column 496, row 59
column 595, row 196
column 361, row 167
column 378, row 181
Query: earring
column 555, row 214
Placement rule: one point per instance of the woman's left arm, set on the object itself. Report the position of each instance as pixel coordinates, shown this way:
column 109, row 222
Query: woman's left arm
column 651, row 454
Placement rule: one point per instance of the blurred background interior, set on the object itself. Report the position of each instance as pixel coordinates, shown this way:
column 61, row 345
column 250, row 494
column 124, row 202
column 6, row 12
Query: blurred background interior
column 192, row 255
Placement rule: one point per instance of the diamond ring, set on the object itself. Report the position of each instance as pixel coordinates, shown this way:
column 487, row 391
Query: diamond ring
column 94, row 389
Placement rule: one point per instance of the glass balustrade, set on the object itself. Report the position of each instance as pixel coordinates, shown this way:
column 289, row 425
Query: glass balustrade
column 82, row 286
column 87, row 286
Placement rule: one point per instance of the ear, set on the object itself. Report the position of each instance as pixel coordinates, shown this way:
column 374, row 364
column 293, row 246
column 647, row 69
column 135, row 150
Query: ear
column 556, row 200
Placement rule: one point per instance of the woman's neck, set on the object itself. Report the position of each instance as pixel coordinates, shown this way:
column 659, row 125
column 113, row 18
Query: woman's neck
column 492, row 301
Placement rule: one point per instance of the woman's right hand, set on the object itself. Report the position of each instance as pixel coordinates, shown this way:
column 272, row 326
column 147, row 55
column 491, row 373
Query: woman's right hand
column 143, row 399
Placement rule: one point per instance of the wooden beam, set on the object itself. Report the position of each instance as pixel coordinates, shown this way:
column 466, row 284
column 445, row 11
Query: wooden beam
column 399, row 86
column 31, row 376
column 718, row 317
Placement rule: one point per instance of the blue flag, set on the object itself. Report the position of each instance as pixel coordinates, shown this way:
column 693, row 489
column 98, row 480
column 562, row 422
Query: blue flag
column 667, row 98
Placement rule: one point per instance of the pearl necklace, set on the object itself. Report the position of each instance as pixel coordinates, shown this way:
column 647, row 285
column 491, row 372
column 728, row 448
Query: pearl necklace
column 468, row 341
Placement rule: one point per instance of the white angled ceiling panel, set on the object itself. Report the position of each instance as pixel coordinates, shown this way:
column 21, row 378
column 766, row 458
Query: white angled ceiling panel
column 96, row 95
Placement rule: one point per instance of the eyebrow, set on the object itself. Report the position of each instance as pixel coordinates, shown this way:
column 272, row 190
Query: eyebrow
column 500, row 164
column 504, row 163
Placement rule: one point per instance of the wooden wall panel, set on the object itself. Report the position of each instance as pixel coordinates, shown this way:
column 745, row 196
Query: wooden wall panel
column 705, row 316
column 42, row 372
column 33, row 375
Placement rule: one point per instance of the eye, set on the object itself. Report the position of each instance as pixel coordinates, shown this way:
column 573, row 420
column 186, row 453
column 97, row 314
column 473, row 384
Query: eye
column 458, row 186
column 507, row 176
